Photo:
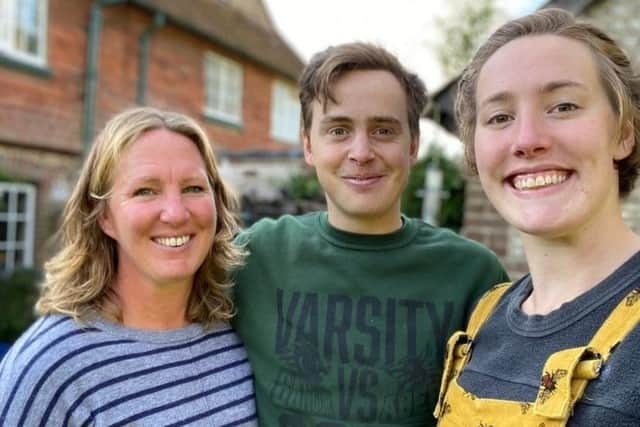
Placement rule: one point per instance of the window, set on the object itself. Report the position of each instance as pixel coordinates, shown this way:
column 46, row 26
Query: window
column 285, row 113
column 17, row 217
column 224, row 88
column 23, row 30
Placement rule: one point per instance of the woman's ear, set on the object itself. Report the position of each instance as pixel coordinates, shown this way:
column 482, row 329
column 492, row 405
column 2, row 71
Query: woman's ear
column 625, row 146
column 105, row 222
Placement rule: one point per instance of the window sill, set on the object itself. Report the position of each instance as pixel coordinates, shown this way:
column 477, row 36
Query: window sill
column 223, row 122
column 16, row 64
column 287, row 141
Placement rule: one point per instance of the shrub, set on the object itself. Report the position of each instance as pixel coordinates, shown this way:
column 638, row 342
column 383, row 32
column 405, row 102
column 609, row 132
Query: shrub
column 452, row 202
column 18, row 293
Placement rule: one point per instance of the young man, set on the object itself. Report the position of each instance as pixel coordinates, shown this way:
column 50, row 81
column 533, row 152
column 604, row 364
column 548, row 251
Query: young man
column 345, row 313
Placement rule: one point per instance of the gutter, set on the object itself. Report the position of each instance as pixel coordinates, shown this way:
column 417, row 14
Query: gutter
column 219, row 41
column 159, row 20
column 91, row 70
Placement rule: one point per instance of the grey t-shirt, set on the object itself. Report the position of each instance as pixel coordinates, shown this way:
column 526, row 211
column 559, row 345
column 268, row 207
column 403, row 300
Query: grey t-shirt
column 511, row 348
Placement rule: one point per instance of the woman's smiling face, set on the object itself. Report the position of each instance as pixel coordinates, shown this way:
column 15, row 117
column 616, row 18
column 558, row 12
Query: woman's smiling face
column 546, row 137
column 161, row 211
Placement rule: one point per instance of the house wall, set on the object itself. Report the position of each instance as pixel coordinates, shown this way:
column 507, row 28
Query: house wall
column 621, row 19
column 41, row 116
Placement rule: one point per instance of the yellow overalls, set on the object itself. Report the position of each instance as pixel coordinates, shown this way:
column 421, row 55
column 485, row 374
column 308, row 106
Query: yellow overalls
column 563, row 380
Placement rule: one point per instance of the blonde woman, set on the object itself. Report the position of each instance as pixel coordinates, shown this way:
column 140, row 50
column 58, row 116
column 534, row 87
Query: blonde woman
column 134, row 314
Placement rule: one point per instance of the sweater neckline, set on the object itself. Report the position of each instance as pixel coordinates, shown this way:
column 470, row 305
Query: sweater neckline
column 373, row 242
column 169, row 336
column 572, row 311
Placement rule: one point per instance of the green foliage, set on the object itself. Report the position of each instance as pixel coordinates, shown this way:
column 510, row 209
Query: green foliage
column 463, row 30
column 18, row 293
column 304, row 186
column 452, row 204
column 5, row 177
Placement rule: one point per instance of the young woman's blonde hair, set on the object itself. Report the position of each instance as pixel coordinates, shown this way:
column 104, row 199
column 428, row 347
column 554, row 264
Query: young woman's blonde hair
column 78, row 278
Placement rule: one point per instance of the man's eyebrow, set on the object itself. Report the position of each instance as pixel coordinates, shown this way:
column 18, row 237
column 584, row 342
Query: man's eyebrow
column 335, row 119
column 385, row 120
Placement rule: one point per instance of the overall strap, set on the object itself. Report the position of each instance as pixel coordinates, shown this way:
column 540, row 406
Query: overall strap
column 620, row 322
column 567, row 373
column 459, row 343
column 485, row 307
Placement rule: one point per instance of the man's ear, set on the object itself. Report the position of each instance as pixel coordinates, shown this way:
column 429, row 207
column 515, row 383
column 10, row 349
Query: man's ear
column 414, row 148
column 306, row 145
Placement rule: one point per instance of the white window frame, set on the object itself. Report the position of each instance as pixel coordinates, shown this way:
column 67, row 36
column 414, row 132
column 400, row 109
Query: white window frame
column 223, row 85
column 285, row 112
column 9, row 38
column 10, row 215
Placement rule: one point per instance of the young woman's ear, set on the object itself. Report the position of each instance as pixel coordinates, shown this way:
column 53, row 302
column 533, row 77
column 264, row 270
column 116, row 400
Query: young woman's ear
column 626, row 144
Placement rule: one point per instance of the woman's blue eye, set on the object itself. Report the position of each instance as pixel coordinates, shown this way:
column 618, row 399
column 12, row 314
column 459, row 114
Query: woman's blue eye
column 143, row 192
column 194, row 189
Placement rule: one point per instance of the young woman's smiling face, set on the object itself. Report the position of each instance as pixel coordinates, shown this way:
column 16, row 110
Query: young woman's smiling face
column 161, row 212
column 546, row 137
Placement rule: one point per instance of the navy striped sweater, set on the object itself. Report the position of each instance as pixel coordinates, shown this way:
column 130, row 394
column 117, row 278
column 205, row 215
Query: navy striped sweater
column 102, row 374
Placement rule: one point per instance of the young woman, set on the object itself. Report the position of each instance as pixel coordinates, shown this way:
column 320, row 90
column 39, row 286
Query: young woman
column 549, row 111
column 134, row 311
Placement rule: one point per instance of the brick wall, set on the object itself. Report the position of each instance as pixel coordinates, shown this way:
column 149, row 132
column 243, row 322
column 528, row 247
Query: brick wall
column 41, row 117
column 41, row 169
column 483, row 224
column 46, row 111
column 176, row 78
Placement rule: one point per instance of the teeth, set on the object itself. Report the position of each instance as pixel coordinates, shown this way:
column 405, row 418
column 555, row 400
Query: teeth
column 173, row 242
column 531, row 182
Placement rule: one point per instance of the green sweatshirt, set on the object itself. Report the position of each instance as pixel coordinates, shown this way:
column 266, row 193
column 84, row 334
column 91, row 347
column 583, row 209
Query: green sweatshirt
column 345, row 329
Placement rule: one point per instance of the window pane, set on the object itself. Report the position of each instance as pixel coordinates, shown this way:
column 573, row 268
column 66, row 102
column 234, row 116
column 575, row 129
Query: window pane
column 22, row 203
column 214, row 74
column 16, row 226
column 32, row 44
column 22, row 28
column 28, row 15
column 285, row 115
column 19, row 258
column 224, row 87
column 4, row 202
column 21, row 231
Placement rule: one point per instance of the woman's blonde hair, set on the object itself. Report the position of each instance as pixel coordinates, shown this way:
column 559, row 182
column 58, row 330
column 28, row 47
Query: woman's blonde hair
column 78, row 278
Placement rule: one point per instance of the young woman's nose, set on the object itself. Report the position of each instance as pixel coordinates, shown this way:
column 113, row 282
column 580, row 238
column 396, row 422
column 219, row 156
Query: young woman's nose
column 531, row 138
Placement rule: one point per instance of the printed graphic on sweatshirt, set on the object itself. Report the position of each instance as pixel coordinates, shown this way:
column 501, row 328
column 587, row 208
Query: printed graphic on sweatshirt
column 357, row 359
